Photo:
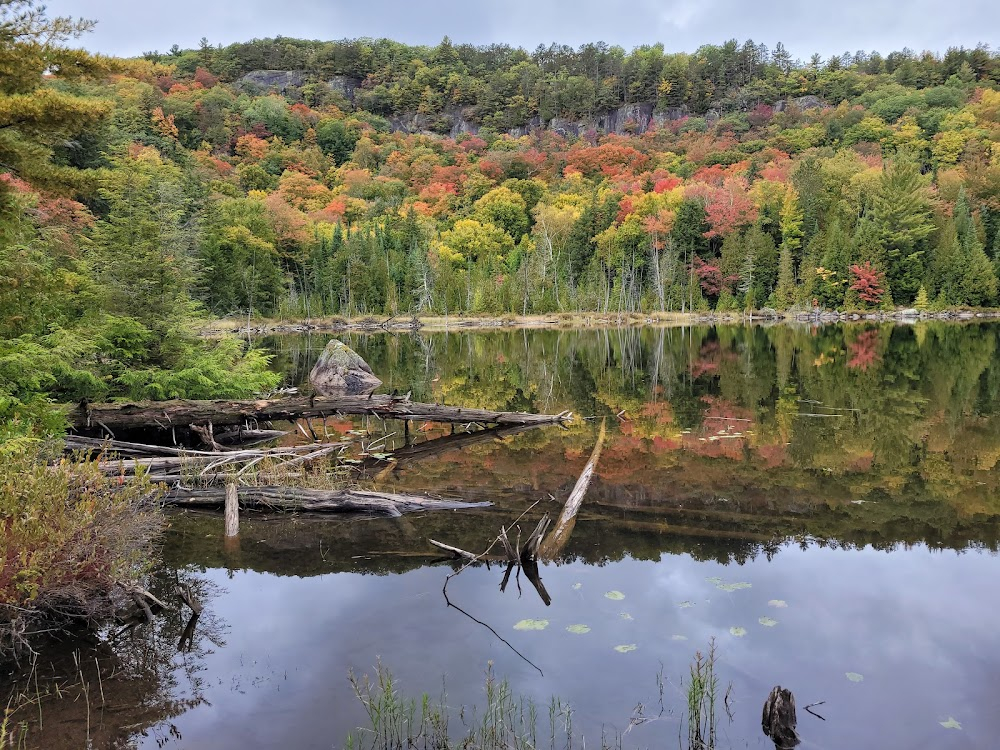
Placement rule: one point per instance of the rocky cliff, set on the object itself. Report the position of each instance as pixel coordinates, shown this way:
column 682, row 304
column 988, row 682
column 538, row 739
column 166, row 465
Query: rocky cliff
column 630, row 119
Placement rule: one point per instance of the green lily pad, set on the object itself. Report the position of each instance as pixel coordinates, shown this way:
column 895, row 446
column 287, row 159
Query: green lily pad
column 625, row 616
column 616, row 596
column 733, row 586
column 738, row 632
column 855, row 677
column 625, row 648
column 767, row 622
column 577, row 586
column 678, row 637
column 779, row 603
column 685, row 605
column 579, row 629
column 951, row 723
column 532, row 625
column 714, row 579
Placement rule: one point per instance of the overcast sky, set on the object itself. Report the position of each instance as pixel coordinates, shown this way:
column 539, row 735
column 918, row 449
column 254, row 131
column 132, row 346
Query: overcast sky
column 130, row 27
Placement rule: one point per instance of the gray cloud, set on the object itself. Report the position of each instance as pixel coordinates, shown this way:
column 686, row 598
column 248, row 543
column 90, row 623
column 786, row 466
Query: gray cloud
column 132, row 27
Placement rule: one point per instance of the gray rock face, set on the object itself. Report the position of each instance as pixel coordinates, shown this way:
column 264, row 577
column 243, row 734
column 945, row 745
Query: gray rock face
column 283, row 80
column 802, row 102
column 276, row 80
column 341, row 371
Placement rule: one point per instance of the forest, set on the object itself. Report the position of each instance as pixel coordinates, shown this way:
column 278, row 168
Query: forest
column 141, row 194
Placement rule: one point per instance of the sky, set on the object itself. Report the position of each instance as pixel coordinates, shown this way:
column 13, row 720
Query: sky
column 131, row 28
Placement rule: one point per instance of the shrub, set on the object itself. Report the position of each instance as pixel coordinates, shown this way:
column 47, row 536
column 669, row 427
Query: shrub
column 69, row 535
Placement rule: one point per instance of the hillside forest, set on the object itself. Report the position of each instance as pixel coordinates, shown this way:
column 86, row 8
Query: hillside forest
column 382, row 179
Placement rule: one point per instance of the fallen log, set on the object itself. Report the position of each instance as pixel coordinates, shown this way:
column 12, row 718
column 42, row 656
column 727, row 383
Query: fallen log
column 183, row 413
column 315, row 501
column 557, row 540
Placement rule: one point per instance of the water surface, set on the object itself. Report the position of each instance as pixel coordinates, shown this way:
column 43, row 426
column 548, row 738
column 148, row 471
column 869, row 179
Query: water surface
column 821, row 502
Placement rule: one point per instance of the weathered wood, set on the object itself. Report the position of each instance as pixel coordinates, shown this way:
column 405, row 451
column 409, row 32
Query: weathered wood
column 323, row 501
column 454, row 550
column 232, row 510
column 556, row 541
column 178, row 413
column 778, row 720
column 202, row 461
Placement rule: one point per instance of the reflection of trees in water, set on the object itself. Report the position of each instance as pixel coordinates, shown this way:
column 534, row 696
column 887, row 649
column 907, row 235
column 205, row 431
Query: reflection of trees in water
column 789, row 423
column 104, row 689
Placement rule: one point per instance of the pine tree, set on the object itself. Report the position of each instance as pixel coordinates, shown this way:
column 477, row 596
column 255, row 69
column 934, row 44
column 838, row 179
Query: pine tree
column 922, row 301
column 34, row 118
column 784, row 294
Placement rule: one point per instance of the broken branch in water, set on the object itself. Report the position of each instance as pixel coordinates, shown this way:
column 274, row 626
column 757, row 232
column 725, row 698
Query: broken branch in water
column 567, row 519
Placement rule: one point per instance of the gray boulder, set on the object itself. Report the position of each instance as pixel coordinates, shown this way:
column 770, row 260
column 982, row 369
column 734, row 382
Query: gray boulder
column 341, row 371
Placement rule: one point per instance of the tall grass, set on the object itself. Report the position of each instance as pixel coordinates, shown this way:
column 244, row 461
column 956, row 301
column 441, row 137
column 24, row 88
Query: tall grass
column 702, row 694
column 513, row 722
column 506, row 722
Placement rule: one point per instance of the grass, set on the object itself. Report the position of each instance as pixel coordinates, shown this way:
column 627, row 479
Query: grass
column 513, row 722
column 507, row 722
column 702, row 693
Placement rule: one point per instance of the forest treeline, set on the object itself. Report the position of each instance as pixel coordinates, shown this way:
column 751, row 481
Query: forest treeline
column 140, row 194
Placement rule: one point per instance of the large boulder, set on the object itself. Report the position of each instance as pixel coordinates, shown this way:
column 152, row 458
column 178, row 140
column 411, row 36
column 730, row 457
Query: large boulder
column 341, row 371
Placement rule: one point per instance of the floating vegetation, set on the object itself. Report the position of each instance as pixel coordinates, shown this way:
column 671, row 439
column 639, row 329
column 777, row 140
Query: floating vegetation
column 577, row 586
column 951, row 723
column 767, row 622
column 779, row 603
column 738, row 632
column 678, row 637
column 714, row 580
column 616, row 596
column 532, row 625
column 578, row 629
column 625, row 616
column 855, row 677
column 733, row 586
column 685, row 605
column 625, row 648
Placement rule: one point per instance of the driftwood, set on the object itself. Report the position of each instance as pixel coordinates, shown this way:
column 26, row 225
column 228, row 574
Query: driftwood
column 557, row 540
column 183, row 413
column 778, row 719
column 316, row 501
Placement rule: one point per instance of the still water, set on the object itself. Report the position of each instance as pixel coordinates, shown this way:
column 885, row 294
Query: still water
column 823, row 503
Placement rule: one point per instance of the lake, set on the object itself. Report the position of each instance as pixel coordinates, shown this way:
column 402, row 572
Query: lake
column 820, row 503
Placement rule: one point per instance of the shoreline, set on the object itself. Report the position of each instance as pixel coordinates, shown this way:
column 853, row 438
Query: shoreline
column 435, row 323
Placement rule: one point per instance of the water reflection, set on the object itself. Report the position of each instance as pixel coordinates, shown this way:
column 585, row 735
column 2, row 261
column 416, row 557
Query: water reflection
column 823, row 502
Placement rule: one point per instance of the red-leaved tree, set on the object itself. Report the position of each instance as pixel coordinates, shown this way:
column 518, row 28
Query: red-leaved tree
column 869, row 282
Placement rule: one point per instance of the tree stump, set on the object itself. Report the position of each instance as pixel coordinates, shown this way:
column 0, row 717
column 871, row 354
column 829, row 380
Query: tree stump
column 778, row 720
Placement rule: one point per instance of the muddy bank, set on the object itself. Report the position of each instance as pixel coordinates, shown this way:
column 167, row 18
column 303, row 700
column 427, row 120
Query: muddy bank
column 581, row 320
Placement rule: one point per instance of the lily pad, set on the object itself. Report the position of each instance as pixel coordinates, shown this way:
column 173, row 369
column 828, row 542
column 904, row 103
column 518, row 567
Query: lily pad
column 625, row 616
column 951, row 723
column 733, row 586
column 767, row 622
column 714, row 579
column 577, row 586
column 579, row 629
column 738, row 632
column 532, row 625
column 685, row 605
column 678, row 637
column 855, row 677
column 779, row 603
column 625, row 648
column 616, row 596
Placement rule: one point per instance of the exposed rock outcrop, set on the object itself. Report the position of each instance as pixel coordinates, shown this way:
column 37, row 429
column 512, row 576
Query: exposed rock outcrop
column 341, row 371
column 628, row 119
column 284, row 80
